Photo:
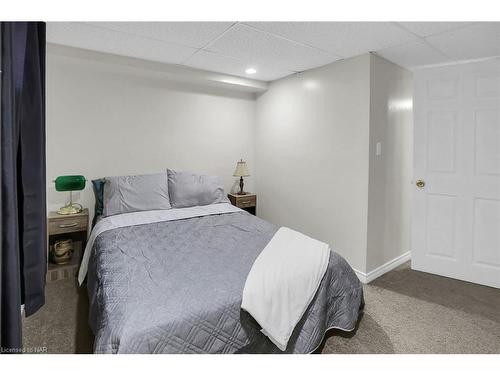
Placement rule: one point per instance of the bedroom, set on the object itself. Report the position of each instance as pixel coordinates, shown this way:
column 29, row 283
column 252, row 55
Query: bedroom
column 373, row 145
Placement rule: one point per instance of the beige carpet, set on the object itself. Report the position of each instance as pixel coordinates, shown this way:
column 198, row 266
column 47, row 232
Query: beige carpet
column 406, row 312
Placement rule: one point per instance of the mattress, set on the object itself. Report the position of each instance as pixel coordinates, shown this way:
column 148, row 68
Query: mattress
column 176, row 287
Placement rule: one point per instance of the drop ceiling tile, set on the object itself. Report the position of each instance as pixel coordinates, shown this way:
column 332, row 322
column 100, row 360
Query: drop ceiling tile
column 279, row 48
column 191, row 34
column 230, row 65
column 474, row 42
column 430, row 28
column 415, row 53
column 246, row 43
column 342, row 38
column 98, row 39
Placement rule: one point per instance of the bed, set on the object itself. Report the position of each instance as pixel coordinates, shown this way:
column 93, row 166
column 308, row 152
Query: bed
column 171, row 282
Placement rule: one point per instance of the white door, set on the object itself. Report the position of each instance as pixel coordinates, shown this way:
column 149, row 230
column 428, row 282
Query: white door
column 456, row 215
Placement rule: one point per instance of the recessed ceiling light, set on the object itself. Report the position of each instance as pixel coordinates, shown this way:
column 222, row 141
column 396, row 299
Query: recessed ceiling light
column 250, row 71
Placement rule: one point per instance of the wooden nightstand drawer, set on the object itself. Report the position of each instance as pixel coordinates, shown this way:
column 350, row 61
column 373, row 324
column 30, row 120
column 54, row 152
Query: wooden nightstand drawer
column 244, row 201
column 64, row 227
column 247, row 202
column 68, row 224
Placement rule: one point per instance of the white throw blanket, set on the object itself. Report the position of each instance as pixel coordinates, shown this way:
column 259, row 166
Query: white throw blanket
column 283, row 281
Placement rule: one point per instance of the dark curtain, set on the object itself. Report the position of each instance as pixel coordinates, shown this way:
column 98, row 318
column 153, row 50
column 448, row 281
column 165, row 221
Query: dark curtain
column 22, row 177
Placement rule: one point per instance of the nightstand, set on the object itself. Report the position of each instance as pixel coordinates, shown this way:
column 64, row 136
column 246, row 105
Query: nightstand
column 247, row 202
column 74, row 226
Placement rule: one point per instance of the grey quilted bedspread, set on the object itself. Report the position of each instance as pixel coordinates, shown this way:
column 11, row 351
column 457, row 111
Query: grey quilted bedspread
column 176, row 287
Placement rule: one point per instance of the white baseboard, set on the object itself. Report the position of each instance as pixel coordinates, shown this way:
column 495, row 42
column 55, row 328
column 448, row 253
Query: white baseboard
column 361, row 276
column 366, row 278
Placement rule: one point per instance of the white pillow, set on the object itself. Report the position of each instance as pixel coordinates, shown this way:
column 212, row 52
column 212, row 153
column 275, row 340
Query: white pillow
column 189, row 189
column 135, row 193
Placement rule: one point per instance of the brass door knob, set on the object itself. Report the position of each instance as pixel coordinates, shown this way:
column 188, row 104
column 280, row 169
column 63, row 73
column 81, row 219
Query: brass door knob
column 420, row 184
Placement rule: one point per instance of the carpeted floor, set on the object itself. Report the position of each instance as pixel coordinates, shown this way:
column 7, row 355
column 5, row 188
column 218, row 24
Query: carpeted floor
column 406, row 312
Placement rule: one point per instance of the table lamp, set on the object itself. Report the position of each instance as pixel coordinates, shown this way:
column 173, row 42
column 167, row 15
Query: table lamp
column 241, row 171
column 70, row 183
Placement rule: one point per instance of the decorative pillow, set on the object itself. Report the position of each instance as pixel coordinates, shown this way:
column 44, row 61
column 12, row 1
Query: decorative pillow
column 187, row 189
column 135, row 193
column 98, row 186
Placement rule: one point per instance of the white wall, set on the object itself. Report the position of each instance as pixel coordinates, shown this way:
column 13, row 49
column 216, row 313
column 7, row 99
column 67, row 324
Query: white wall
column 389, row 193
column 102, row 121
column 317, row 171
column 312, row 155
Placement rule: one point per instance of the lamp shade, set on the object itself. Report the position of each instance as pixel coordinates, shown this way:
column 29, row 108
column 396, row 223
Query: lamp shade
column 241, row 169
column 70, row 183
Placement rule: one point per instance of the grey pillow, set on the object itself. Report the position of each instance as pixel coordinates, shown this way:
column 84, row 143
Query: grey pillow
column 135, row 193
column 187, row 189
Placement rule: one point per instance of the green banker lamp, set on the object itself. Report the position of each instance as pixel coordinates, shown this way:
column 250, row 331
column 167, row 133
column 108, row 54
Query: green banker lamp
column 70, row 183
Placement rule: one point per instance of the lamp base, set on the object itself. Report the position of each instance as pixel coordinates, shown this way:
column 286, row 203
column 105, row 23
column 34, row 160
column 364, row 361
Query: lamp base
column 241, row 193
column 70, row 209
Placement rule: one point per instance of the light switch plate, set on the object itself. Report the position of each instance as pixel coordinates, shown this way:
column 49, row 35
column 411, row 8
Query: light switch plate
column 378, row 149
